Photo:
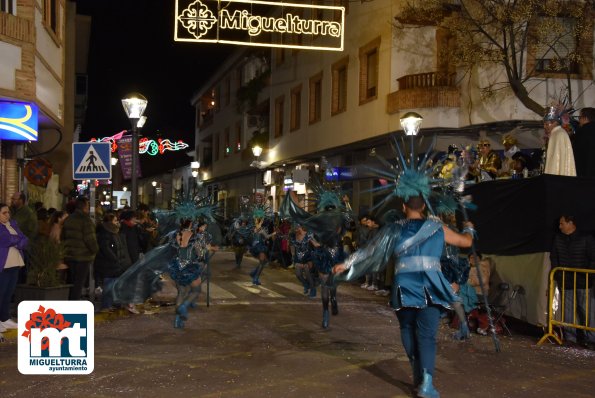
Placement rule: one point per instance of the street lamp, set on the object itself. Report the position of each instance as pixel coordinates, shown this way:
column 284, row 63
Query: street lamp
column 195, row 166
column 411, row 122
column 154, row 184
column 134, row 105
column 256, row 151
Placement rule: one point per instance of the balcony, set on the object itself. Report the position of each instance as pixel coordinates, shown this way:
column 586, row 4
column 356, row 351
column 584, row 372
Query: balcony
column 424, row 90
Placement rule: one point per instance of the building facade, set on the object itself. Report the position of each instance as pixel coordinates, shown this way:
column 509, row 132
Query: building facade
column 324, row 112
column 39, row 66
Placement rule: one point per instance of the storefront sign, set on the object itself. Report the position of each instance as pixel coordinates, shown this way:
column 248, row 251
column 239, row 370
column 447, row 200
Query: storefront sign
column 260, row 23
column 18, row 121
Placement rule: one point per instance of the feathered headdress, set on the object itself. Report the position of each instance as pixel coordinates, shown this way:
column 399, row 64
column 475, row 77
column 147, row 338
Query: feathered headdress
column 326, row 196
column 561, row 111
column 411, row 176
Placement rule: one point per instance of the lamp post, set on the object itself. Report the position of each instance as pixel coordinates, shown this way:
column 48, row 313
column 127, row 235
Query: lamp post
column 256, row 151
column 194, row 166
column 154, row 184
column 114, row 162
column 134, row 105
column 411, row 122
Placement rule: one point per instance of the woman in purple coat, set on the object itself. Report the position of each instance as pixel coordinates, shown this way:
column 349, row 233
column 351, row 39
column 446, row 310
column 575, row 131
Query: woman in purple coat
column 12, row 258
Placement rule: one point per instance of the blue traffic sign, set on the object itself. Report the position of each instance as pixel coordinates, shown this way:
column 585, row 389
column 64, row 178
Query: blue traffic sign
column 91, row 160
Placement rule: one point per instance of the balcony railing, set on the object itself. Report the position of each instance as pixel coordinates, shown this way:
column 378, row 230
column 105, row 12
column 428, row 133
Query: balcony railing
column 425, row 90
column 429, row 79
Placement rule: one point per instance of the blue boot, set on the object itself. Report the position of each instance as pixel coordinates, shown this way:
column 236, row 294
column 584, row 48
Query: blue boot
column 253, row 272
column 255, row 281
column 325, row 319
column 306, row 289
column 334, row 306
column 417, row 373
column 463, row 333
column 182, row 311
column 312, row 293
column 178, row 322
column 427, row 390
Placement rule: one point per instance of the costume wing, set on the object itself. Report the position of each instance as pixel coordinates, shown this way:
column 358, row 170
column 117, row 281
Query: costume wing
column 374, row 256
column 142, row 279
column 326, row 224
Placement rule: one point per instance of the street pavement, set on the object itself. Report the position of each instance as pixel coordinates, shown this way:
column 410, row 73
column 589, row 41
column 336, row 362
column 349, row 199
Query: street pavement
column 267, row 341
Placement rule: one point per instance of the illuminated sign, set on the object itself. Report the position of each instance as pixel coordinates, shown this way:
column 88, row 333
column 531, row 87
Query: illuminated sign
column 260, row 23
column 338, row 174
column 146, row 145
column 18, row 121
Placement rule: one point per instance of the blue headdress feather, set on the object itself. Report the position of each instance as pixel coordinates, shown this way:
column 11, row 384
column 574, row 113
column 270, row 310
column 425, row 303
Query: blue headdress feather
column 412, row 183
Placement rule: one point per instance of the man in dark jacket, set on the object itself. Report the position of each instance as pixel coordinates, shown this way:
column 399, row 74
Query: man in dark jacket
column 112, row 259
column 132, row 234
column 80, row 246
column 573, row 249
column 583, row 144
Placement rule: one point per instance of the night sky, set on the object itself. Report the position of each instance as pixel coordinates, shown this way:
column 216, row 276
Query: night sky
column 132, row 50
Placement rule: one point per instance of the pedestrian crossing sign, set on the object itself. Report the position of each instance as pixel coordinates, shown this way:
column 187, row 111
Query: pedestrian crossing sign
column 91, row 160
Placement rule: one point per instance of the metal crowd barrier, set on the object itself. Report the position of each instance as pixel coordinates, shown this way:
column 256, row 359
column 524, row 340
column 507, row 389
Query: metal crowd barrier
column 567, row 273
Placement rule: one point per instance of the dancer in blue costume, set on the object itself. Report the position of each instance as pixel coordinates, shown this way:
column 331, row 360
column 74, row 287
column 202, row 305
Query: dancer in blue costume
column 186, row 269
column 420, row 292
column 259, row 248
column 326, row 256
column 240, row 236
column 300, row 240
column 327, row 226
column 182, row 256
column 454, row 267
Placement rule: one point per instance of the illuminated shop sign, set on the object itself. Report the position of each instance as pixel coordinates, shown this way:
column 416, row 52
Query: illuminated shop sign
column 260, row 23
column 338, row 174
column 18, row 121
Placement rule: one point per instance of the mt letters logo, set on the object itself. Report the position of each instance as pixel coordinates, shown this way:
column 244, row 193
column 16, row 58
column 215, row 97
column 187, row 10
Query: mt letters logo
column 56, row 337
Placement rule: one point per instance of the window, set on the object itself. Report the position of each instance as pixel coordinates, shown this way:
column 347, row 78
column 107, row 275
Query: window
column 207, row 155
column 339, row 89
column 279, row 115
column 8, row 6
column 238, row 143
column 317, row 13
column 279, row 56
column 227, row 143
column 296, row 108
column 216, row 98
column 341, row 3
column 225, row 91
column 51, row 18
column 368, row 72
column 216, row 147
column 315, row 99
column 552, row 54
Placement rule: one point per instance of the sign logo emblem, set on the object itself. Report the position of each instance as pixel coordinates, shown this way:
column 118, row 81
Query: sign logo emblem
column 56, row 337
column 197, row 19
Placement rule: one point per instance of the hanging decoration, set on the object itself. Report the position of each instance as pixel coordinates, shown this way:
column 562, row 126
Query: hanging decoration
column 146, row 145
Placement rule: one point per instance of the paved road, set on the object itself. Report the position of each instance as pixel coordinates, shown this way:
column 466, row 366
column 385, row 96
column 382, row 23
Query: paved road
column 267, row 342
